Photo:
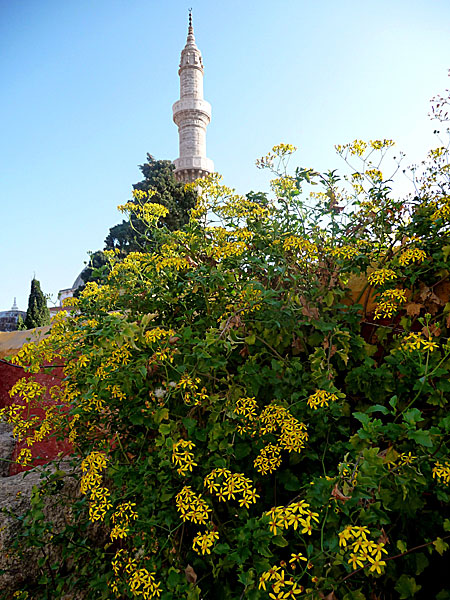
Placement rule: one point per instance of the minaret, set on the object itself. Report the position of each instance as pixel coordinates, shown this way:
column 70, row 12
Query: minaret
column 192, row 114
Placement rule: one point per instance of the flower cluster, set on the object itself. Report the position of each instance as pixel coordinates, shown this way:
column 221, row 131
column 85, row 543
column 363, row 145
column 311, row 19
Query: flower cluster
column 394, row 461
column 268, row 460
column 442, row 210
column 121, row 518
column 441, row 471
column 119, row 357
column 297, row 515
column 279, row 151
column 416, row 341
column 300, row 246
column 345, row 252
column 321, row 398
column 249, row 300
column 182, row 458
column 412, row 255
column 203, row 542
column 191, row 506
column 292, row 434
column 227, row 485
column 246, row 410
column 389, row 302
column 139, row 581
column 282, row 588
column 349, row 472
column 90, row 483
column 284, row 187
column 157, row 333
column 364, row 552
column 189, row 386
column 375, row 175
column 381, row 276
column 25, row 457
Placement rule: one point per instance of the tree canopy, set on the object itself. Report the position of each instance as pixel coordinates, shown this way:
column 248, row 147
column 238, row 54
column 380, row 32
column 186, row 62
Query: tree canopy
column 158, row 179
column 37, row 311
column 128, row 236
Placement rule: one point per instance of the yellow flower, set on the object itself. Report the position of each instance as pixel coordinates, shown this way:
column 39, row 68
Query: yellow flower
column 297, row 557
column 376, row 564
column 356, row 560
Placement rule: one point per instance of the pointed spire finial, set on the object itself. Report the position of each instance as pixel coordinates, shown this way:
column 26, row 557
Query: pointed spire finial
column 14, row 306
column 190, row 36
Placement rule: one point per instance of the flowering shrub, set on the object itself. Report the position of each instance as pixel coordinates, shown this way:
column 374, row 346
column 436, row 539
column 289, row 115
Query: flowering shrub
column 243, row 428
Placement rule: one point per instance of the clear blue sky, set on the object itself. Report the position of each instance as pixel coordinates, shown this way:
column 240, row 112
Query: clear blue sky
column 87, row 89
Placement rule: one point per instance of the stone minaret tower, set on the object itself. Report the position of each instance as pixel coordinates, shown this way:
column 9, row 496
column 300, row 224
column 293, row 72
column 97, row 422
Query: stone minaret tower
column 192, row 114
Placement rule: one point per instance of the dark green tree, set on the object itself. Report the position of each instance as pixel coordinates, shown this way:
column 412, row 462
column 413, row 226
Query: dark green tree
column 37, row 312
column 158, row 177
column 128, row 236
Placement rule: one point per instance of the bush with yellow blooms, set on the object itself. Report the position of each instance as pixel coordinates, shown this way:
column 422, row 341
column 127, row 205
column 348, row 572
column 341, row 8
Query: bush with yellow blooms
column 243, row 426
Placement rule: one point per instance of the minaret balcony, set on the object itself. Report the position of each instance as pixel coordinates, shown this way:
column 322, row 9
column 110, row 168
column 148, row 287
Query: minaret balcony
column 194, row 162
column 192, row 105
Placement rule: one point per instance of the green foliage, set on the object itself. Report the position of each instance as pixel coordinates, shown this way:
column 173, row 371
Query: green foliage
column 160, row 180
column 20, row 323
column 131, row 235
column 37, row 312
column 244, row 428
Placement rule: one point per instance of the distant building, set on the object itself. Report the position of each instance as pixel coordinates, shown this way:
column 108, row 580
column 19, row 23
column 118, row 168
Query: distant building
column 10, row 318
column 69, row 292
column 192, row 114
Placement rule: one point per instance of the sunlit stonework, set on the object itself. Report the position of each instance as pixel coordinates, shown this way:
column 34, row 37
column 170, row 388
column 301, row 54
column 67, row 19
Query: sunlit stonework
column 192, row 115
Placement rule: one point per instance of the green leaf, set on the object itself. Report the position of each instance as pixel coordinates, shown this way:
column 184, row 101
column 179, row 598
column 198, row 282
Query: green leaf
column 329, row 298
column 250, row 339
column 246, row 578
column 421, row 436
column 161, row 414
column 221, row 548
column 241, row 450
column 446, row 524
column 189, row 424
column 393, row 402
column 362, row 417
column 279, row 540
column 407, row 587
column 412, row 416
column 440, row 545
column 164, row 428
column 422, row 563
column 378, row 408
column 401, row 546
column 137, row 418
column 445, row 252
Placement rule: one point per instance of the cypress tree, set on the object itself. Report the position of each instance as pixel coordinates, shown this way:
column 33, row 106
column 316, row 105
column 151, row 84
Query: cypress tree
column 37, row 312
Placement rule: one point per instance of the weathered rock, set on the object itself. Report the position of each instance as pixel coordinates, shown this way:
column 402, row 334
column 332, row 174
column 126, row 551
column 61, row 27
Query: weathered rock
column 7, row 444
column 15, row 495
